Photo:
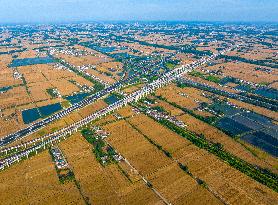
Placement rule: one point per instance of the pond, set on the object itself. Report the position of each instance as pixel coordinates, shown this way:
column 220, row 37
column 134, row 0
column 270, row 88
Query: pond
column 111, row 99
column 267, row 92
column 225, row 109
column 49, row 109
column 77, row 97
column 264, row 141
column 104, row 49
column 231, row 126
column 5, row 89
column 31, row 61
column 30, row 115
column 34, row 114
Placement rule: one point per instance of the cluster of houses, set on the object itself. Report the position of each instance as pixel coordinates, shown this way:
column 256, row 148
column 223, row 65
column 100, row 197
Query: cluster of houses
column 59, row 159
column 99, row 133
column 102, row 134
column 17, row 75
column 160, row 115
column 71, row 52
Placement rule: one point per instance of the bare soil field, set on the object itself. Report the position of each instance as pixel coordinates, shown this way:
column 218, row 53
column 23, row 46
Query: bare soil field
column 34, row 181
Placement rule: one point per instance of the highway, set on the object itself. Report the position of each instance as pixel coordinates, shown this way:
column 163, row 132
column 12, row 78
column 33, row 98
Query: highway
column 165, row 79
column 42, row 123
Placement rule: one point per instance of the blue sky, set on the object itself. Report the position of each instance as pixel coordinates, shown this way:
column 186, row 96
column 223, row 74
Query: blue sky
column 15, row 11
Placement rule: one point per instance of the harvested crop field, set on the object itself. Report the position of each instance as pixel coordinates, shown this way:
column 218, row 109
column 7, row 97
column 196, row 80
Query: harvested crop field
column 135, row 148
column 164, row 173
column 180, row 188
column 158, row 133
column 34, row 181
column 103, row 185
column 233, row 186
column 186, row 97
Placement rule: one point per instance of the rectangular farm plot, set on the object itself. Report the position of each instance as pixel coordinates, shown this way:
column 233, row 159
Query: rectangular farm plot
column 15, row 96
column 64, row 86
column 53, row 74
column 232, row 185
column 35, row 181
column 39, row 91
column 179, row 188
column 84, row 112
column 102, row 185
column 185, row 97
column 159, row 134
column 132, row 145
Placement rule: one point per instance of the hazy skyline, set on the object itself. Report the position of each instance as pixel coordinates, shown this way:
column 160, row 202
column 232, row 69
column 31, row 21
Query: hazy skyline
column 19, row 11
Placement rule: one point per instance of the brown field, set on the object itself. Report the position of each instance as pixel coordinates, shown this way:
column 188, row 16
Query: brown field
column 64, row 86
column 103, row 77
column 34, row 181
column 126, row 111
column 246, row 72
column 14, row 97
column 53, row 74
column 6, row 77
column 145, row 50
column 180, row 188
column 173, row 111
column 103, row 185
column 132, row 88
column 191, row 101
column 161, row 171
column 158, row 133
column 27, row 54
column 85, row 60
column 84, row 112
column 38, row 91
column 82, row 81
column 233, row 186
column 135, row 148
column 105, row 120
